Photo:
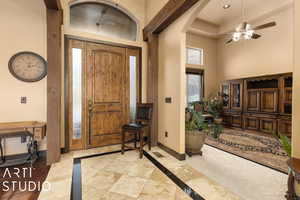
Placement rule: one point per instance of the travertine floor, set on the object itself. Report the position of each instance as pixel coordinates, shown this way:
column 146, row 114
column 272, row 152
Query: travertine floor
column 125, row 177
column 120, row 177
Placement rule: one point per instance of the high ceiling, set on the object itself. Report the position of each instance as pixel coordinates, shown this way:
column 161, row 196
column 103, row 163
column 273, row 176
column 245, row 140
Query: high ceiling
column 216, row 14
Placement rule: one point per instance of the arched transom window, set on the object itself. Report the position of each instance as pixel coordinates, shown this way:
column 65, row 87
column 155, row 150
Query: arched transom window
column 103, row 19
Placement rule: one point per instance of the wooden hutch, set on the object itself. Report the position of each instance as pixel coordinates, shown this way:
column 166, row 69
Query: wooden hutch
column 261, row 104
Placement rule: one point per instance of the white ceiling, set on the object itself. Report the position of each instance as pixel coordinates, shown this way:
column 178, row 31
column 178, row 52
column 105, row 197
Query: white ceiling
column 214, row 12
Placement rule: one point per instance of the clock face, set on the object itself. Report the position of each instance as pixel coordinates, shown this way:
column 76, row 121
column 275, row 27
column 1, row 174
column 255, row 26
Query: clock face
column 28, row 66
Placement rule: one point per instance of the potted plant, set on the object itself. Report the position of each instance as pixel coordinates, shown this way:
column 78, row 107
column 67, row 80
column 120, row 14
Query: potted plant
column 215, row 108
column 196, row 130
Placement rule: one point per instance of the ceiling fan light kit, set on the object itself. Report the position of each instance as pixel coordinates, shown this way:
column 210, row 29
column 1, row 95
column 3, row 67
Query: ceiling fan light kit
column 245, row 31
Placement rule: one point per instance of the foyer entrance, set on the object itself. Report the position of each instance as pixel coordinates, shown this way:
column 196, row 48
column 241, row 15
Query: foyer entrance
column 103, row 89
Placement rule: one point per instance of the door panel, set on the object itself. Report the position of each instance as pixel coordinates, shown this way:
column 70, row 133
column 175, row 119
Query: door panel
column 107, row 87
column 268, row 125
column 225, row 92
column 236, row 89
column 236, row 121
column 251, row 123
column 269, row 100
column 253, row 100
column 285, row 127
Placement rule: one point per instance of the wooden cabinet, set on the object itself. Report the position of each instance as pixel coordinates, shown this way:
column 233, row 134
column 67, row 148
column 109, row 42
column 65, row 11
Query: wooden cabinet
column 260, row 103
column 269, row 100
column 252, row 100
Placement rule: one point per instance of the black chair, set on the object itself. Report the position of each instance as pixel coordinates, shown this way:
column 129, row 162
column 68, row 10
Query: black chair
column 142, row 123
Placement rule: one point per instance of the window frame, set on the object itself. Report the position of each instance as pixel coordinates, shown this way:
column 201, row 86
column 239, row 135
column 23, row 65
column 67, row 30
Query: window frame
column 201, row 55
column 199, row 72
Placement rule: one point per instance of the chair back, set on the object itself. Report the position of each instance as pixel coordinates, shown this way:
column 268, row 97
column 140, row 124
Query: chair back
column 144, row 113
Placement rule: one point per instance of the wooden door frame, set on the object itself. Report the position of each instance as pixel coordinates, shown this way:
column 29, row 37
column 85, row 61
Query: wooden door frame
column 67, row 85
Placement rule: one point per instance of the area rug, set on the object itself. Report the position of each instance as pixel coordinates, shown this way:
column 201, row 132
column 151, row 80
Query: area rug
column 257, row 147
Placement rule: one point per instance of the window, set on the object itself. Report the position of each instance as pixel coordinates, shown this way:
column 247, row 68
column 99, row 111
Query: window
column 103, row 19
column 133, row 84
column 76, row 91
column 194, row 56
column 195, row 85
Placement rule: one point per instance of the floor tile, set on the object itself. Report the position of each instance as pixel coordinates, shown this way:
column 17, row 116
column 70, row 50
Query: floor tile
column 129, row 185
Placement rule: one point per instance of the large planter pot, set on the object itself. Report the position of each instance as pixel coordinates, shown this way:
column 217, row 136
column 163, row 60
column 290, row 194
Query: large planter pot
column 194, row 141
column 218, row 120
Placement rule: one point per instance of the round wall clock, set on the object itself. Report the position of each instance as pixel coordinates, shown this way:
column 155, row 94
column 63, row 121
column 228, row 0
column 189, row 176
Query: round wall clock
column 28, row 66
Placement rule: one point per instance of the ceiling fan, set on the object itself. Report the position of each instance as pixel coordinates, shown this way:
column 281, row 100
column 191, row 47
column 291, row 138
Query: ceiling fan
column 246, row 31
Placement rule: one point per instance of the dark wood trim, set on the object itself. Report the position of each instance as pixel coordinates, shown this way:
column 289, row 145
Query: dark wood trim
column 73, row 37
column 53, row 4
column 167, row 15
column 172, row 152
column 54, row 83
column 152, row 84
column 194, row 71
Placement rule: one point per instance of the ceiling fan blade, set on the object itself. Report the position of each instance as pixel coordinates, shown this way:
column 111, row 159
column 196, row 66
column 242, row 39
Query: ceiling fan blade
column 229, row 41
column 255, row 36
column 263, row 26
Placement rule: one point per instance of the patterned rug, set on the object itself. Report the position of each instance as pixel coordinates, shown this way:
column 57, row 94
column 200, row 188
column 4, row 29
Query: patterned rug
column 258, row 147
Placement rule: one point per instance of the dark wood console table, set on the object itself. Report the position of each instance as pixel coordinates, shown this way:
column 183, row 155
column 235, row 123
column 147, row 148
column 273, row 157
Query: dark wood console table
column 32, row 129
column 294, row 177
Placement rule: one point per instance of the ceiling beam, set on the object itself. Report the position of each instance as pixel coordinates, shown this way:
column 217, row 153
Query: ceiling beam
column 167, row 15
column 53, row 4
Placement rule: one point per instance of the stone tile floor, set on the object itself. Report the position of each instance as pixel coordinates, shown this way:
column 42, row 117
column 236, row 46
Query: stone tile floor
column 126, row 177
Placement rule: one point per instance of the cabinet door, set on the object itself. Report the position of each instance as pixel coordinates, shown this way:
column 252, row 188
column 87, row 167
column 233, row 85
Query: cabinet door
column 236, row 121
column 288, row 95
column 251, row 123
column 236, row 97
column 269, row 100
column 253, row 100
column 227, row 119
column 225, row 92
column 268, row 125
column 285, row 127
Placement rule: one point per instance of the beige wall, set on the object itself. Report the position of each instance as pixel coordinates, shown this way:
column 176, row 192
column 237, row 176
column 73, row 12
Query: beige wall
column 172, row 81
column 270, row 54
column 296, row 89
column 152, row 7
column 209, row 47
column 23, row 28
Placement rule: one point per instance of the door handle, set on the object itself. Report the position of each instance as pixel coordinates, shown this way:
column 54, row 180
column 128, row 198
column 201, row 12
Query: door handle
column 90, row 105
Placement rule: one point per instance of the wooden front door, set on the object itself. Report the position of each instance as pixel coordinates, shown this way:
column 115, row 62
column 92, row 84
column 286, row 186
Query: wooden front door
column 107, row 94
column 103, row 87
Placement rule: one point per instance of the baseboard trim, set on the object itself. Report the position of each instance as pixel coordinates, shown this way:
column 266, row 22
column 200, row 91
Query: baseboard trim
column 173, row 153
